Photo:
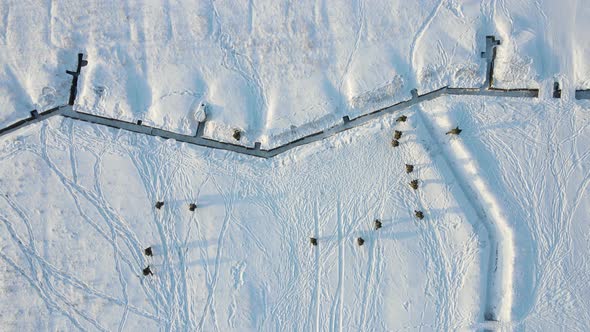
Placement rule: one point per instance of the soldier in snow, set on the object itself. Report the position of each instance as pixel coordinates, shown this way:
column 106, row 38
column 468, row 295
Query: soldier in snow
column 313, row 241
column 454, row 131
column 192, row 207
column 159, row 204
column 237, row 134
column 402, row 118
column 378, row 224
column 419, row 214
column 414, row 184
column 360, row 241
column 409, row 168
column 148, row 251
column 395, row 143
column 397, row 134
column 147, row 271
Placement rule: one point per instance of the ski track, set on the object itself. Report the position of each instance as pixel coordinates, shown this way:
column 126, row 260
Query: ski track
column 169, row 297
column 158, row 170
column 359, row 33
column 210, row 303
column 421, row 31
column 242, row 65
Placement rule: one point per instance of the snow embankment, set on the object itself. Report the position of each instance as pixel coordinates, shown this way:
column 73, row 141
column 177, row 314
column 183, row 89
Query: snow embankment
column 480, row 195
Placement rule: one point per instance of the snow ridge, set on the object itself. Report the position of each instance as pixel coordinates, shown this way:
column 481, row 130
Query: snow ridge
column 501, row 240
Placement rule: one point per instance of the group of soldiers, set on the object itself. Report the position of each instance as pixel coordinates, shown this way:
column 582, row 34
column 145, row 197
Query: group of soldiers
column 414, row 184
column 149, row 251
column 377, row 224
column 410, row 168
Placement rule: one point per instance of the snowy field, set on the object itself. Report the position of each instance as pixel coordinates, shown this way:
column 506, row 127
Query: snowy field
column 243, row 259
column 266, row 68
column 510, row 193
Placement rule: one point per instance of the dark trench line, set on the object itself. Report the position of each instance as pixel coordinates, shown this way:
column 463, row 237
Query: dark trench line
column 256, row 151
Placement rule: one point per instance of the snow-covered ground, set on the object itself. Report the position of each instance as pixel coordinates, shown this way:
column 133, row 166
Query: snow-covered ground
column 243, row 259
column 77, row 200
column 266, row 68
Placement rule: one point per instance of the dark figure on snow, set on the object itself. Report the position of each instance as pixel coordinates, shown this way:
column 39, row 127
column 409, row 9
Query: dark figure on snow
column 419, row 214
column 360, row 241
column 159, row 205
column 192, row 207
column 237, row 135
column 454, row 131
column 313, row 241
column 378, row 224
column 395, row 143
column 414, row 184
column 402, row 118
column 409, row 168
column 147, row 271
column 397, row 134
column 148, row 251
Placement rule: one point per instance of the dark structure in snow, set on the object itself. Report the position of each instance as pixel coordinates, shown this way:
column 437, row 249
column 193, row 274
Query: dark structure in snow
column 395, row 143
column 419, row 214
column 313, row 241
column 397, row 134
column 378, row 224
column 414, row 184
column 556, row 90
column 75, row 75
column 454, row 131
column 148, row 251
column 409, row 168
column 147, row 271
column 360, row 241
column 402, row 118
column 192, row 207
column 159, row 204
column 237, row 134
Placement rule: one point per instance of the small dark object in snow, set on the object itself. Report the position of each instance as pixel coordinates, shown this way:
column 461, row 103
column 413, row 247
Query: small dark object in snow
column 147, row 271
column 237, row 134
column 419, row 214
column 313, row 241
column 454, row 131
column 414, row 184
column 159, row 205
column 409, row 168
column 556, row 90
column 360, row 241
column 490, row 317
column 395, row 143
column 402, row 118
column 397, row 134
column 139, row 122
column 192, row 207
column 148, row 251
column 378, row 224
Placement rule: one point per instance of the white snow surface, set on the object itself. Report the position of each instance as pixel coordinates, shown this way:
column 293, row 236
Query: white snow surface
column 243, row 259
column 77, row 200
